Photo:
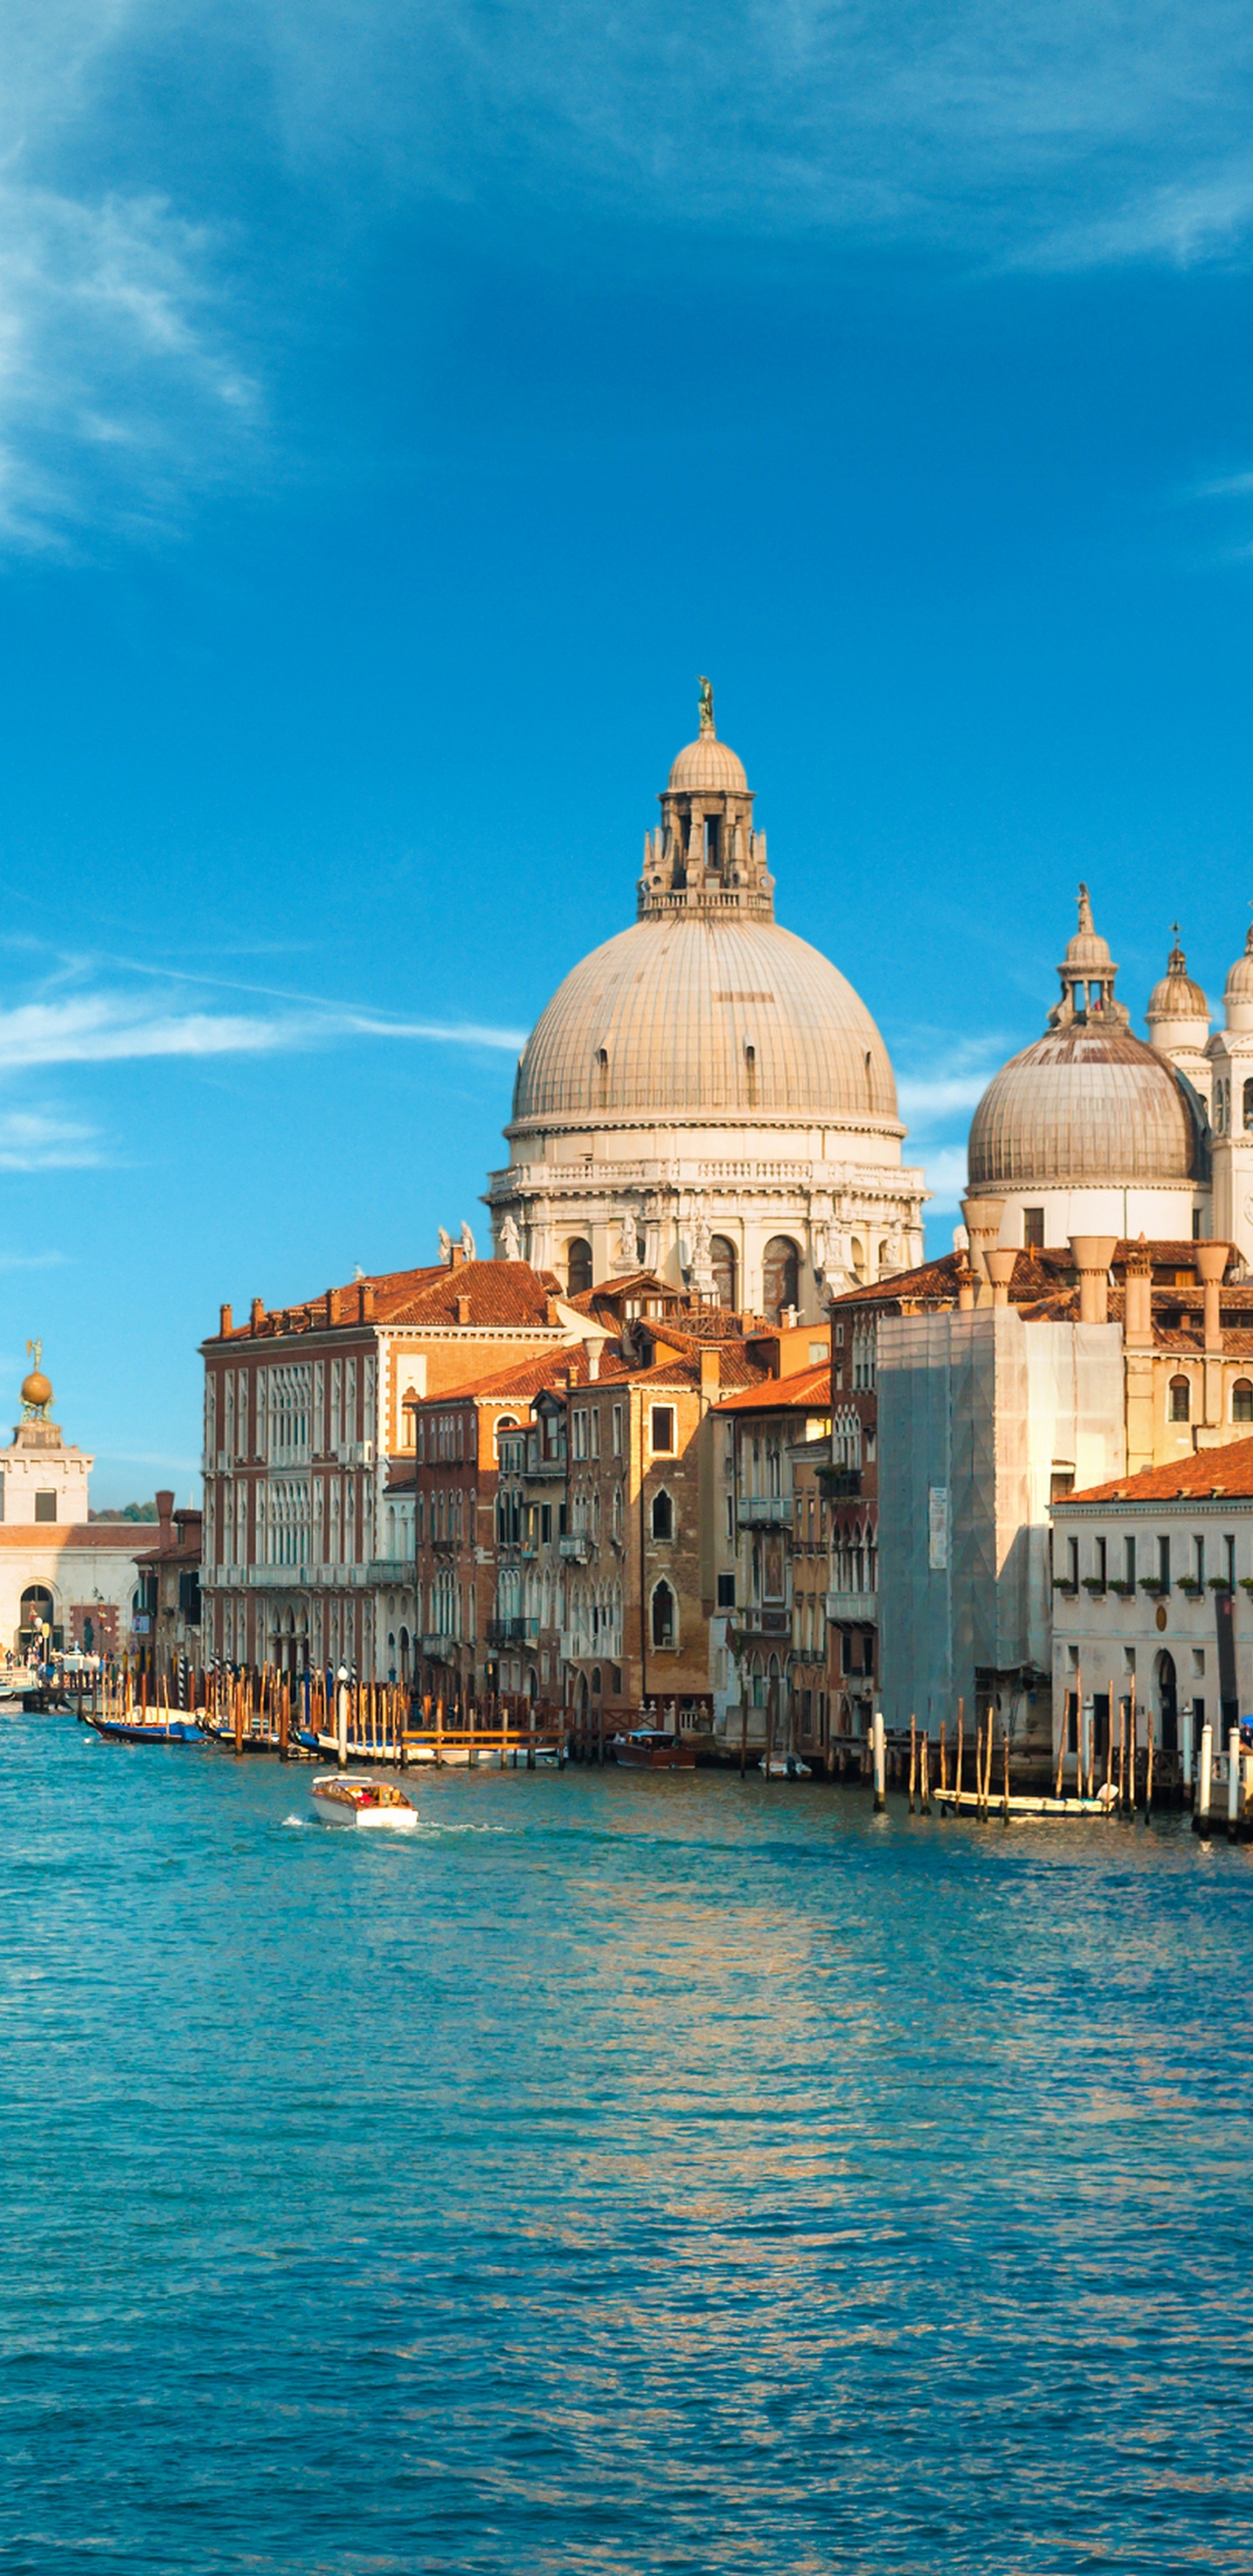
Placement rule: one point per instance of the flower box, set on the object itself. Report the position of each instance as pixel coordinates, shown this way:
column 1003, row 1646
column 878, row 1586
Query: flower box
column 1219, row 1583
column 1153, row 1585
column 1123, row 1590
column 1061, row 1584
column 1094, row 1586
column 1193, row 1590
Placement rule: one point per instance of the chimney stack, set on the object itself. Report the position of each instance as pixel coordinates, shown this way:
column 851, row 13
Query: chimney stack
column 365, row 1302
column 1092, row 1255
column 165, row 1513
column 463, row 1310
column 711, row 1374
column 1138, row 1298
column 1211, row 1261
column 982, row 1220
column 592, row 1349
column 225, row 1321
column 1001, row 1268
column 258, row 1310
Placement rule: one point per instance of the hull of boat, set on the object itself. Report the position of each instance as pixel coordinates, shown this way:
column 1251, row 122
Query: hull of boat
column 967, row 1802
column 654, row 1757
column 124, row 1730
column 343, row 1802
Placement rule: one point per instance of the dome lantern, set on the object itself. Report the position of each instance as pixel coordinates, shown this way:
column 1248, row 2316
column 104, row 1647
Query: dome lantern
column 1178, row 1012
column 706, row 856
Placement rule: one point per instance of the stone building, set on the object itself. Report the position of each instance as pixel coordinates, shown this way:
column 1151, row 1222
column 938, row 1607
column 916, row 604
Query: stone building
column 706, row 1095
column 61, row 1571
column 310, row 1424
column 1153, row 1592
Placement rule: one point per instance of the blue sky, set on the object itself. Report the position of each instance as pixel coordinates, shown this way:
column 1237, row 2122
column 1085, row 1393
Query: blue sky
column 400, row 404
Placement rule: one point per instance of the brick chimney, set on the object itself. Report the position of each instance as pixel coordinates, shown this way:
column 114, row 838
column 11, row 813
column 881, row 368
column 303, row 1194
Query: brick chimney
column 365, row 1302
column 463, row 1306
column 710, row 1374
column 165, row 1515
column 225, row 1321
column 328, row 1307
column 254, row 1319
column 456, row 1255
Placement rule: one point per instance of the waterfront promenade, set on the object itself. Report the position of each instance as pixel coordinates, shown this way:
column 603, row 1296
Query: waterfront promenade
column 626, row 2173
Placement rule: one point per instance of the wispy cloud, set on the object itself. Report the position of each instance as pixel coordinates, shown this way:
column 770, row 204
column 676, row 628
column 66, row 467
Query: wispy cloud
column 33, row 1141
column 946, row 1178
column 145, row 251
column 94, row 1029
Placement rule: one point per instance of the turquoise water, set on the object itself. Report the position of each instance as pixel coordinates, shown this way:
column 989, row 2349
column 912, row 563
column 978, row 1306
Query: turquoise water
column 628, row 2173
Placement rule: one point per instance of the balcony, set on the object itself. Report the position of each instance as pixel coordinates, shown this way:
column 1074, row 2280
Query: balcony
column 440, row 1650
column 757, row 1622
column 859, row 1606
column 391, row 1569
column 511, row 1632
column 577, row 1546
column 840, row 1484
column 545, row 1469
column 764, row 1511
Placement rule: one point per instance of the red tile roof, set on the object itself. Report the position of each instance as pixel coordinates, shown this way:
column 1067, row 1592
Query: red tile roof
column 800, row 1392
column 497, row 1292
column 1224, row 1471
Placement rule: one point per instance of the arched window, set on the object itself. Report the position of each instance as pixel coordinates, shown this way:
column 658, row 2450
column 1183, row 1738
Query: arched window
column 725, row 1266
column 602, row 1082
column 750, row 1074
column 578, row 1267
column 1242, row 1400
column 1248, row 1104
column 663, row 1622
column 780, row 1277
column 663, row 1515
column 1180, row 1400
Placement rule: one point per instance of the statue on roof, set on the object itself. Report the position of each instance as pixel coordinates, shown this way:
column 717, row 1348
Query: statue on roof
column 510, row 1239
column 468, row 1248
column 1085, row 909
column 706, row 705
column 445, row 1246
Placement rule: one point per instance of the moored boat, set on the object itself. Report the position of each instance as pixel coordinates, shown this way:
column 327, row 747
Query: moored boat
column 968, row 1802
column 784, row 1766
column 650, row 1748
column 166, row 1728
column 355, row 1801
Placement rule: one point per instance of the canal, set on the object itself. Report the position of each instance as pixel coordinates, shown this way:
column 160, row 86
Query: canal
column 627, row 2173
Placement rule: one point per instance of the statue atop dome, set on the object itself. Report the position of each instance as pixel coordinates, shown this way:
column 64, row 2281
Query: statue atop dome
column 707, row 725
column 36, row 1388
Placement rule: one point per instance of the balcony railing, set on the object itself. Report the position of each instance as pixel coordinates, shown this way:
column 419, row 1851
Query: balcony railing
column 441, row 1649
column 863, row 1606
column 391, row 1569
column 511, row 1632
column 577, row 1545
column 764, row 1511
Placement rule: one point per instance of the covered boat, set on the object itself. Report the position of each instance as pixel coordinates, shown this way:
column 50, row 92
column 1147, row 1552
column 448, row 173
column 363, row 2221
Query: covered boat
column 650, row 1748
column 164, row 1727
column 359, row 1800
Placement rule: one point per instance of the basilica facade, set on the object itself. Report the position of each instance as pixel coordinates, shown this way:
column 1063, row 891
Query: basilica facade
column 706, row 1097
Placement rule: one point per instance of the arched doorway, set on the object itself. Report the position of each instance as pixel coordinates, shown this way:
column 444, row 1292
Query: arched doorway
column 37, row 1606
column 725, row 1269
column 1167, row 1703
column 578, row 1267
column 780, row 1277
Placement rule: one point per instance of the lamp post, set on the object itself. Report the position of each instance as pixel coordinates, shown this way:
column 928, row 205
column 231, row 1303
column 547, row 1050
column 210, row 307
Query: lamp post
column 341, row 1714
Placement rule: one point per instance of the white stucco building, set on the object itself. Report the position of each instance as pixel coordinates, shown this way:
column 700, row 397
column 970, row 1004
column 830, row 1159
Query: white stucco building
column 706, row 1095
column 57, row 1565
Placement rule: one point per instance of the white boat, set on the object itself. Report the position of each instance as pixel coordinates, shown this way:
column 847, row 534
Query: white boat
column 968, row 1802
column 351, row 1800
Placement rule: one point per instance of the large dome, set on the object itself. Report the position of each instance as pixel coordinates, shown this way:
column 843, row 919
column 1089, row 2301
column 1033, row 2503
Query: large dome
column 693, row 1013
column 1086, row 1105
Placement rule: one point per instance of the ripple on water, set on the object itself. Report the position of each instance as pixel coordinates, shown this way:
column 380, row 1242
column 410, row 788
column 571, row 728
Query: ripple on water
column 662, row 2176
